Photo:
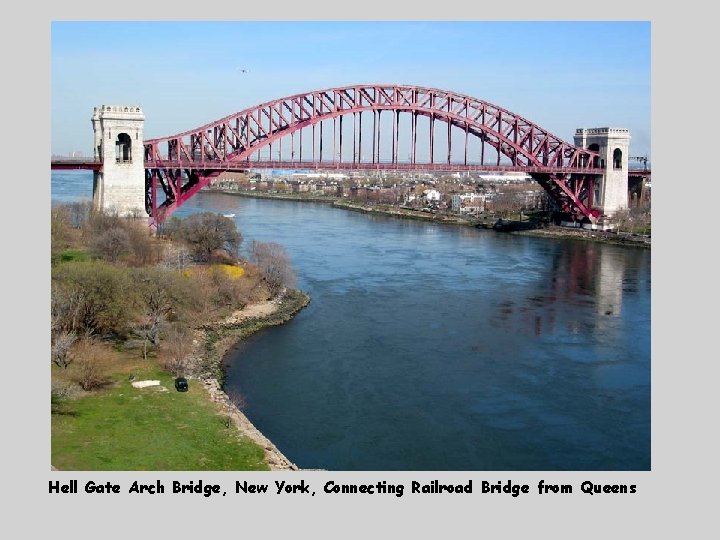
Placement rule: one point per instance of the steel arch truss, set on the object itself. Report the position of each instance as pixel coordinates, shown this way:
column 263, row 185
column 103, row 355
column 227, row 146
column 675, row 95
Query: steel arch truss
column 182, row 164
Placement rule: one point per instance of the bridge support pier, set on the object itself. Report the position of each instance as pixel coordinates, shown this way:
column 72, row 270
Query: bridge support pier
column 613, row 144
column 120, row 185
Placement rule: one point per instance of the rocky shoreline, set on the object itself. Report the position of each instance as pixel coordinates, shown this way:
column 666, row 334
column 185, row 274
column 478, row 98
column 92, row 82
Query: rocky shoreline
column 212, row 343
column 622, row 239
column 275, row 459
column 403, row 213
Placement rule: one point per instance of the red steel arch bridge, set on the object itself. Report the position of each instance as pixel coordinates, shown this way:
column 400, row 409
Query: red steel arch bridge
column 343, row 128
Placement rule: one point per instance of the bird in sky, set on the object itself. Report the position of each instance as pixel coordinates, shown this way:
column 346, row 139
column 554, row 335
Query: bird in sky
column 244, row 70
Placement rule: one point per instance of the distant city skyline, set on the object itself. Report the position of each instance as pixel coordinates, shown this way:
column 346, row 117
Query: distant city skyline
column 558, row 75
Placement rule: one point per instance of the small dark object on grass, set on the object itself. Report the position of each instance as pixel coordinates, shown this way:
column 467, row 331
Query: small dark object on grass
column 181, row 384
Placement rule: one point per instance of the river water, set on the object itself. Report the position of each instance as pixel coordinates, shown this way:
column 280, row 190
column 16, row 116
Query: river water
column 435, row 347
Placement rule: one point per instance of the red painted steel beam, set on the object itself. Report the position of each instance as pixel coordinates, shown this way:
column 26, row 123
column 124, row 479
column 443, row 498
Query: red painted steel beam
column 496, row 122
column 229, row 143
column 76, row 164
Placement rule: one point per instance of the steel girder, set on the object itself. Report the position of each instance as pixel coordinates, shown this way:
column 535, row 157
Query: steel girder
column 200, row 154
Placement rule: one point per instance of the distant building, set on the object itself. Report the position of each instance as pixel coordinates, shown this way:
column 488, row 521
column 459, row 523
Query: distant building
column 468, row 203
column 318, row 175
column 504, row 178
column 431, row 195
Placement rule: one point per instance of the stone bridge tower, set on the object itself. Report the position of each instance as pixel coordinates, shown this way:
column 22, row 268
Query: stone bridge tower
column 120, row 185
column 613, row 145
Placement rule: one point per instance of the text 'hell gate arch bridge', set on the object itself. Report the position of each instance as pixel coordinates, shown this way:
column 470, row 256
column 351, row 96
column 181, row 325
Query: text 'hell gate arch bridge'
column 326, row 129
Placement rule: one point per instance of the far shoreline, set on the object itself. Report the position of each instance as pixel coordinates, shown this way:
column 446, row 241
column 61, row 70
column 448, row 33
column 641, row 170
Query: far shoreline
column 550, row 231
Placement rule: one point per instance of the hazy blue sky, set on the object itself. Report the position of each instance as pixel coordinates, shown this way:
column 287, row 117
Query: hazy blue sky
column 560, row 75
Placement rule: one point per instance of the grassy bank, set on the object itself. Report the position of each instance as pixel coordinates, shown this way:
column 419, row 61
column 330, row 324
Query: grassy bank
column 119, row 427
column 156, row 428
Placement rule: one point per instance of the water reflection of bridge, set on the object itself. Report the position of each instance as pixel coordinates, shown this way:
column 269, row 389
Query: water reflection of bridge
column 588, row 275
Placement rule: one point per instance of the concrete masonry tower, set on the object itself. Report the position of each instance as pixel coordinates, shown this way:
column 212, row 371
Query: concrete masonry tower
column 613, row 145
column 120, row 186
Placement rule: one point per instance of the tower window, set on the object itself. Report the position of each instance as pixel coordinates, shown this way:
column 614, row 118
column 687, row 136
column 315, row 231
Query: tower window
column 617, row 159
column 123, row 149
column 594, row 148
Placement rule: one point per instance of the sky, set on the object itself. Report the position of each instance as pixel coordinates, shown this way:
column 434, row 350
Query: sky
column 558, row 75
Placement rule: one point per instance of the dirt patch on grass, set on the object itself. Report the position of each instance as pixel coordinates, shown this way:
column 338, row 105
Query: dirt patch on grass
column 251, row 311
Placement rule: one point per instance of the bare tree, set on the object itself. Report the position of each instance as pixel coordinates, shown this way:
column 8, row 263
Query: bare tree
column 66, row 305
column 112, row 243
column 179, row 348
column 141, row 245
column 100, row 221
column 91, row 298
column 176, row 256
column 622, row 220
column 205, row 233
column 237, row 399
column 641, row 218
column 90, row 373
column 60, row 350
column 507, row 202
column 275, row 265
column 59, row 392
column 60, row 230
column 157, row 308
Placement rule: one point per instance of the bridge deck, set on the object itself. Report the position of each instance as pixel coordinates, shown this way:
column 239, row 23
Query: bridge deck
column 239, row 166
column 75, row 164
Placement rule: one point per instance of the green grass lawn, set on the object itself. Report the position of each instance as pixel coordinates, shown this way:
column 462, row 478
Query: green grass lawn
column 130, row 429
column 79, row 255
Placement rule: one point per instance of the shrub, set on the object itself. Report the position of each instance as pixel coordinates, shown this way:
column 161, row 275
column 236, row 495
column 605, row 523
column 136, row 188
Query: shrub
column 274, row 264
column 231, row 271
column 111, row 244
column 92, row 298
column 142, row 248
column 60, row 349
column 90, row 371
column 205, row 233
column 179, row 348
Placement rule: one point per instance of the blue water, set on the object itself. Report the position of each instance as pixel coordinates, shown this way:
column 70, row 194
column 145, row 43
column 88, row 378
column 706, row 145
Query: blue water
column 71, row 186
column 430, row 347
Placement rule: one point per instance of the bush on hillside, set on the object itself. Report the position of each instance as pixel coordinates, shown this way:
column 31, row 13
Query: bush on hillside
column 205, row 233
